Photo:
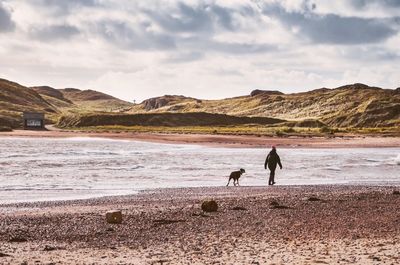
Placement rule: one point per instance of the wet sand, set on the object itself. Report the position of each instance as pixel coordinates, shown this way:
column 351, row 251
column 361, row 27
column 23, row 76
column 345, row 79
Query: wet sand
column 253, row 225
column 240, row 141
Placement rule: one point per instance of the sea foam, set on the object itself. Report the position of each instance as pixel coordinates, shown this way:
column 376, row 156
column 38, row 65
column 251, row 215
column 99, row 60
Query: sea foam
column 397, row 159
column 50, row 169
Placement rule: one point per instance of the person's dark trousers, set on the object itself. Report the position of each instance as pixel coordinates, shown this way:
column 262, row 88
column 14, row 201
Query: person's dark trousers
column 272, row 176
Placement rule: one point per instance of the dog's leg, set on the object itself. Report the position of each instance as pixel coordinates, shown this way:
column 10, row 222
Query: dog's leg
column 238, row 182
column 228, row 182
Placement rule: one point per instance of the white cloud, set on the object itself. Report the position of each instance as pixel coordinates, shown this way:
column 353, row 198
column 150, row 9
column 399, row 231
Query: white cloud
column 200, row 48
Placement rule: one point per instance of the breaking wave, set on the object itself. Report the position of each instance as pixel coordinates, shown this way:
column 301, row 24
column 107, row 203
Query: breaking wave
column 397, row 159
column 89, row 167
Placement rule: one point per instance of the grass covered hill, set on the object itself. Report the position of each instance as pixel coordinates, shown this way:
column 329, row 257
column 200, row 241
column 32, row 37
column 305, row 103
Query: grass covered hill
column 350, row 106
column 91, row 100
column 54, row 97
column 16, row 98
column 356, row 105
column 162, row 119
column 76, row 100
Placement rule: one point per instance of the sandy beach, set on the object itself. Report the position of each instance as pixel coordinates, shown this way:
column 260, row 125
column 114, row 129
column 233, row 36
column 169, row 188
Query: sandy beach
column 323, row 224
column 253, row 225
column 120, row 121
column 240, row 141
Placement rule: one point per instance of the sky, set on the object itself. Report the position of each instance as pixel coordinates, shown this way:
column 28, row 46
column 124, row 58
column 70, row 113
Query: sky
column 207, row 49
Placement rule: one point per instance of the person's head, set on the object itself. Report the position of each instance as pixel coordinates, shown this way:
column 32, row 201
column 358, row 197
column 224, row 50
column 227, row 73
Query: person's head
column 273, row 147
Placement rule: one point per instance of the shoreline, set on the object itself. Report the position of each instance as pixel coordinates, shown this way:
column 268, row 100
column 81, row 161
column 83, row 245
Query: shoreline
column 253, row 225
column 234, row 141
column 138, row 193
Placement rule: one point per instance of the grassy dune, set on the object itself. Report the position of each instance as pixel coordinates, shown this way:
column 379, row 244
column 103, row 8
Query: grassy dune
column 16, row 99
column 351, row 109
column 161, row 119
column 354, row 105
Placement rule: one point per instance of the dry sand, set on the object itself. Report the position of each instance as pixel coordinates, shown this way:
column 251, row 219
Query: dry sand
column 222, row 140
column 253, row 225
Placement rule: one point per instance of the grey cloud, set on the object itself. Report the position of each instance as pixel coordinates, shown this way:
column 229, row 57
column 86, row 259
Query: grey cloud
column 383, row 3
column 61, row 7
column 198, row 46
column 200, row 21
column 224, row 17
column 240, row 48
column 6, row 23
column 129, row 37
column 66, row 4
column 54, row 32
column 201, row 44
column 180, row 27
column 200, row 18
column 203, row 21
column 331, row 28
column 192, row 19
column 372, row 54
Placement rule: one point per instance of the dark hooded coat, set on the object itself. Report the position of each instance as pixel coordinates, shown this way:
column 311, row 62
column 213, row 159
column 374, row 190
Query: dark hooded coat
column 272, row 160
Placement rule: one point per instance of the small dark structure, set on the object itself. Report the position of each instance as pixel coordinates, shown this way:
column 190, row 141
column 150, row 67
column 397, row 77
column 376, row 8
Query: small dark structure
column 33, row 121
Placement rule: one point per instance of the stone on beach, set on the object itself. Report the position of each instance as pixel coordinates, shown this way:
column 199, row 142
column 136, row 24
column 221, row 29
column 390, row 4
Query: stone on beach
column 313, row 199
column 209, row 206
column 114, row 217
column 18, row 239
column 239, row 208
column 49, row 248
column 396, row 192
column 274, row 203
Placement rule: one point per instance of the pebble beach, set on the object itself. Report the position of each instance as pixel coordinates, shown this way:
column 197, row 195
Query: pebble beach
column 324, row 224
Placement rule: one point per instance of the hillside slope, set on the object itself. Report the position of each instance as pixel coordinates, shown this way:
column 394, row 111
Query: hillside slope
column 53, row 96
column 15, row 99
column 354, row 105
column 162, row 119
column 76, row 100
column 91, row 100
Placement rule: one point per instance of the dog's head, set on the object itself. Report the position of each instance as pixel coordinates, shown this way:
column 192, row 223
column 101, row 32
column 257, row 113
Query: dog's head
column 242, row 171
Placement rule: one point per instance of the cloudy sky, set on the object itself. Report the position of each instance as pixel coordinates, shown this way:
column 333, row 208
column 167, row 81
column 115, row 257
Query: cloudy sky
column 201, row 48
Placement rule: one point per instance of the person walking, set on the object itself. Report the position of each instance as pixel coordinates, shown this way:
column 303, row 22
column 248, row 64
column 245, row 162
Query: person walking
column 271, row 161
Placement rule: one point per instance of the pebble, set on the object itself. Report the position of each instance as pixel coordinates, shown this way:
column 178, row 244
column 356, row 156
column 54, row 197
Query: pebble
column 209, row 206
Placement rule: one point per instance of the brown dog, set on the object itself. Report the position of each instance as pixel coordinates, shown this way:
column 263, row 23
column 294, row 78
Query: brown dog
column 235, row 175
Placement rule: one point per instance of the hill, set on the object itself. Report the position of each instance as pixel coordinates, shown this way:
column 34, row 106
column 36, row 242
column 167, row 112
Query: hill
column 16, row 98
column 355, row 105
column 162, row 119
column 91, row 100
column 178, row 102
column 53, row 96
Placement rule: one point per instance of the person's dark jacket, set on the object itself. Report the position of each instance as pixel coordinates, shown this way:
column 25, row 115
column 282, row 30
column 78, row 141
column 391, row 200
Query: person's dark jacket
column 272, row 160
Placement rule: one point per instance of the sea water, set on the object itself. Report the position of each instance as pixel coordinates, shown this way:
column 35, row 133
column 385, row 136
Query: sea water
column 36, row 169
